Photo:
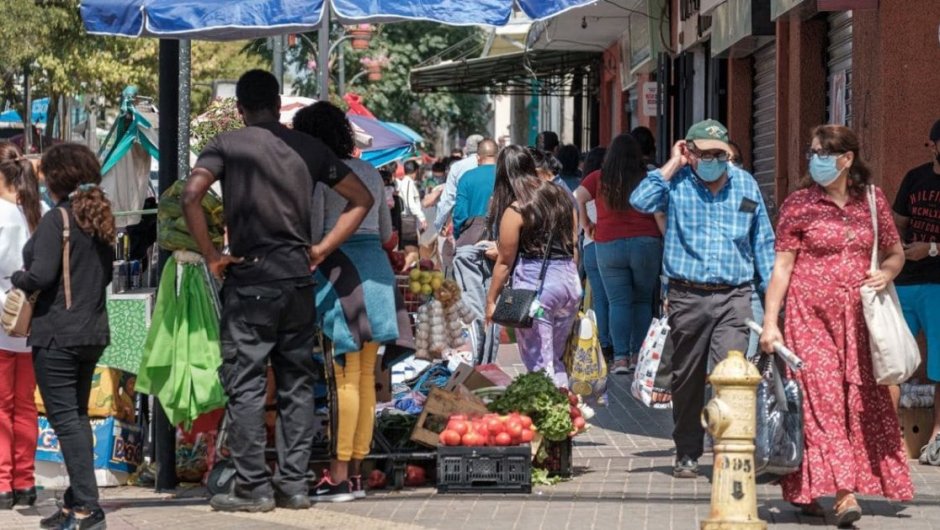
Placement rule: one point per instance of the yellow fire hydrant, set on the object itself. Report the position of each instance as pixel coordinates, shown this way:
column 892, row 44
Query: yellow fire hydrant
column 730, row 418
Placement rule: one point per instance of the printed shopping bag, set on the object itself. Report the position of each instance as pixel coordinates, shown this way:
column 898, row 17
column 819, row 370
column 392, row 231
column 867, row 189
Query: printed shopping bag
column 651, row 354
column 584, row 361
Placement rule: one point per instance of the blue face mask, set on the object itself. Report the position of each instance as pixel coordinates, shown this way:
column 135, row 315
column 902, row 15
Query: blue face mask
column 711, row 170
column 823, row 170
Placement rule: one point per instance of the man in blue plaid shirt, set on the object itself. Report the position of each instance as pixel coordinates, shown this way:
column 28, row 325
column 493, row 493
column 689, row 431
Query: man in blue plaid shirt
column 718, row 241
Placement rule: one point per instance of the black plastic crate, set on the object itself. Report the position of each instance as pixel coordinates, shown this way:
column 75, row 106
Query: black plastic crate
column 558, row 461
column 484, row 469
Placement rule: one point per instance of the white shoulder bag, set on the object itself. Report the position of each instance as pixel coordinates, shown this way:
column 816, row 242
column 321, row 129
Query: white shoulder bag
column 894, row 352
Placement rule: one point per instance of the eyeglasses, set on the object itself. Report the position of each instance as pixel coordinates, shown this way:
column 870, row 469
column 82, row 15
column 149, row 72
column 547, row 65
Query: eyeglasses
column 708, row 156
column 823, row 154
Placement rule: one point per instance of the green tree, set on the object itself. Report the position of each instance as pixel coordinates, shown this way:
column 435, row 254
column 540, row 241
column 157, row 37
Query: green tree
column 218, row 61
column 63, row 59
column 406, row 45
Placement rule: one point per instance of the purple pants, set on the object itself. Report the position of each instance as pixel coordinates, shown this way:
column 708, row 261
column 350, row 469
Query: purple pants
column 543, row 345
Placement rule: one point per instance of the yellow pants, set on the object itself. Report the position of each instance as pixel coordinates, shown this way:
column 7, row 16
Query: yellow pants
column 355, row 388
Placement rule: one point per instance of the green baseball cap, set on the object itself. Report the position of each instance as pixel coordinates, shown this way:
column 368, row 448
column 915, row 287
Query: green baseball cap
column 709, row 134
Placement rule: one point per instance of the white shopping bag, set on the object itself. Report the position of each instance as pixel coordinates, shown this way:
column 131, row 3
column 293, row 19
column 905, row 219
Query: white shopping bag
column 651, row 353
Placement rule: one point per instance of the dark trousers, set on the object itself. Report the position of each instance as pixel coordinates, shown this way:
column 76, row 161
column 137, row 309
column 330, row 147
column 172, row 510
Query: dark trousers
column 705, row 325
column 275, row 321
column 64, row 379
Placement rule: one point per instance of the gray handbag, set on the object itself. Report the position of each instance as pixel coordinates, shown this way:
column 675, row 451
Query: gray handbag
column 779, row 439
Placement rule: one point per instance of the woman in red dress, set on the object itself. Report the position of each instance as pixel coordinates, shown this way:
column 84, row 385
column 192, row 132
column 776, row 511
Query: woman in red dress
column 824, row 240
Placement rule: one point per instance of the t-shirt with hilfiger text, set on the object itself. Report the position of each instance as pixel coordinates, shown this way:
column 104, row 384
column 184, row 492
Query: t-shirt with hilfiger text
column 918, row 199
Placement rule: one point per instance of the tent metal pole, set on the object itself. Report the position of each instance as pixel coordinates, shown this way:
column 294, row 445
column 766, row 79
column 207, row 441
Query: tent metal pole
column 277, row 56
column 164, row 434
column 185, row 83
column 323, row 61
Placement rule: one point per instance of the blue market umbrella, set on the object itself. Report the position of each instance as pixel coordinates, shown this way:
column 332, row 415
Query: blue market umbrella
column 407, row 131
column 388, row 143
column 246, row 19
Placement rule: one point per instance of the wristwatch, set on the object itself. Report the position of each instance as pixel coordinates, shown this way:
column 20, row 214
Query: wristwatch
column 933, row 250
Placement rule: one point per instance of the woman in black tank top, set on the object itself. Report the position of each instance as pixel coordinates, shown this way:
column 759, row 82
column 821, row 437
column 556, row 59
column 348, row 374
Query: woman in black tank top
column 535, row 220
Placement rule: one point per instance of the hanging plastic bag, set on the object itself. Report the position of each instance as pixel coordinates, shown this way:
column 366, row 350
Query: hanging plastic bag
column 779, row 435
column 584, row 361
column 648, row 361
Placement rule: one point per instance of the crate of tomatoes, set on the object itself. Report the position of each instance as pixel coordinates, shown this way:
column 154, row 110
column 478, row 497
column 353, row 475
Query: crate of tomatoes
column 485, row 454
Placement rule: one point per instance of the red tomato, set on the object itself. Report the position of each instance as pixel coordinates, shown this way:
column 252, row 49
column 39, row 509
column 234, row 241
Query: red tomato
column 573, row 399
column 525, row 421
column 481, row 429
column 458, row 426
column 450, row 437
column 514, row 428
column 414, row 476
column 575, row 412
column 495, row 426
column 526, row 436
column 377, row 480
column 469, row 439
column 579, row 423
column 503, row 439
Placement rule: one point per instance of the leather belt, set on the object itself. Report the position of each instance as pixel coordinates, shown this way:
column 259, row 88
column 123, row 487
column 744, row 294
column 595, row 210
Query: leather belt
column 701, row 286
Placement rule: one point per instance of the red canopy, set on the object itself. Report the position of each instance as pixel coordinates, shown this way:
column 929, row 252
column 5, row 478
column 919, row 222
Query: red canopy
column 354, row 101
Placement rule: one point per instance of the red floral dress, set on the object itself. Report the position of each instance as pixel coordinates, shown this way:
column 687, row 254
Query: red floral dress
column 853, row 438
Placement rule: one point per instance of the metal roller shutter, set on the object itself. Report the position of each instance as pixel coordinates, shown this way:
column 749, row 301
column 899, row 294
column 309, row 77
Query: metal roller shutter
column 764, row 121
column 839, row 59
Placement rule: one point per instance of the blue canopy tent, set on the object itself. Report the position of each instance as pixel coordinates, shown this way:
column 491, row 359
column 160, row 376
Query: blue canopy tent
column 246, row 19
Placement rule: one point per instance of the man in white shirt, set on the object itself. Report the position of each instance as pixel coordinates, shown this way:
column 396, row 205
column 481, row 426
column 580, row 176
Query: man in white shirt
column 412, row 214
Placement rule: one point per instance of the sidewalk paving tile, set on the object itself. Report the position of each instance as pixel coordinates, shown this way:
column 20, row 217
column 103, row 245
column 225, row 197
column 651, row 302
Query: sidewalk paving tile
column 623, row 479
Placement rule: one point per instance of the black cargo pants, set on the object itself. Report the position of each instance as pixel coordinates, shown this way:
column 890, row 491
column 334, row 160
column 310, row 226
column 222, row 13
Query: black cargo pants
column 275, row 321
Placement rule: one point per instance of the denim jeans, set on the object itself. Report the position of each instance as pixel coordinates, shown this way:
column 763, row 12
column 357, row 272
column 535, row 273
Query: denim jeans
column 64, row 378
column 599, row 302
column 629, row 268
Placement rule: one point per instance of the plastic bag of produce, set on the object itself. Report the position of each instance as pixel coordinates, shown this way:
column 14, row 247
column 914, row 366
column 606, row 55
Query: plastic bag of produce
column 172, row 233
column 584, row 361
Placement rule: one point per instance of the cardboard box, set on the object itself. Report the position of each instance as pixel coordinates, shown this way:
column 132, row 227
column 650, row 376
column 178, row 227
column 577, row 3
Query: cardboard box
column 440, row 405
column 55, row 476
column 117, row 444
column 916, row 426
column 474, row 378
column 112, row 395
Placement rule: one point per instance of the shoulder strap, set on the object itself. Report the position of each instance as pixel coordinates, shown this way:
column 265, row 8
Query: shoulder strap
column 545, row 260
column 66, row 276
column 874, row 225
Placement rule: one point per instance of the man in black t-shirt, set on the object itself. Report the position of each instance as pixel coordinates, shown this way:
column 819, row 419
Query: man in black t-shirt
column 917, row 214
column 268, row 174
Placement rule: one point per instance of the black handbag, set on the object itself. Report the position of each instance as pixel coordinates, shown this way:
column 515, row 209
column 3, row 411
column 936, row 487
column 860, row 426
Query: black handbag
column 515, row 307
column 779, row 439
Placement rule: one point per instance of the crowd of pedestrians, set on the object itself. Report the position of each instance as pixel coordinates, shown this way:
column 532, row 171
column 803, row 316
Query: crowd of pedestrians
column 693, row 239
